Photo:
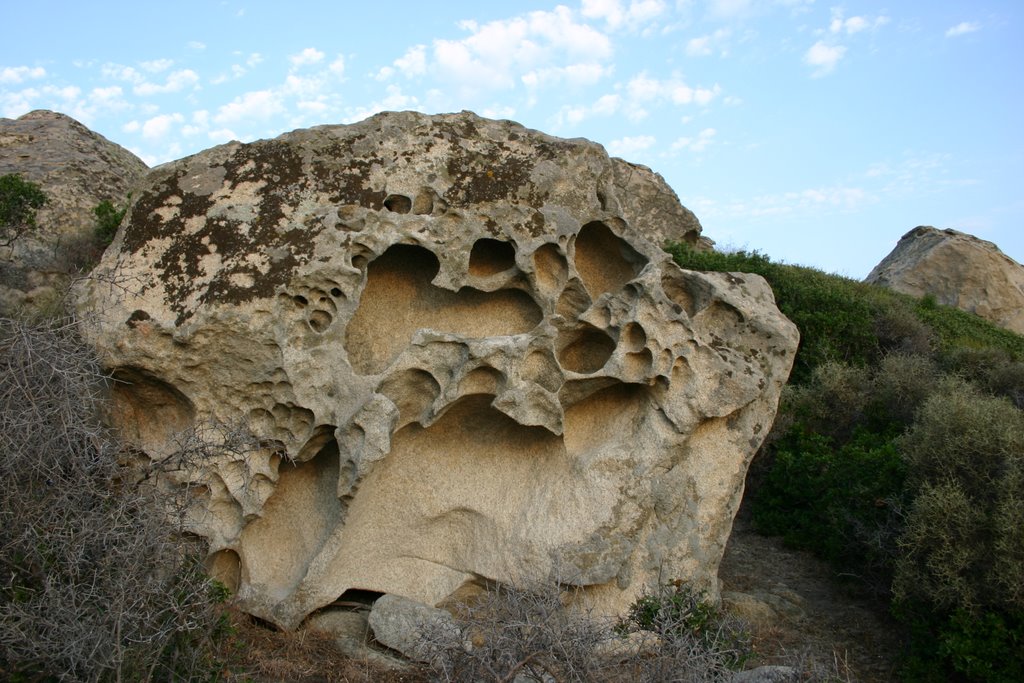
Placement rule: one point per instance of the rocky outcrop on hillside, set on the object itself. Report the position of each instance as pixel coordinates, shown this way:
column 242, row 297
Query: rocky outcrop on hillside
column 464, row 355
column 958, row 270
column 78, row 169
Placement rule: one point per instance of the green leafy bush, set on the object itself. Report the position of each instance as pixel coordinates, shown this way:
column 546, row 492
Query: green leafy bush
column 19, row 201
column 108, row 219
column 898, row 454
column 965, row 458
column 677, row 613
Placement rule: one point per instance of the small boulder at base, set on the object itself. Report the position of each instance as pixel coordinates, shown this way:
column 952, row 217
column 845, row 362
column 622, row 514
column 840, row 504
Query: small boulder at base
column 959, row 270
column 464, row 354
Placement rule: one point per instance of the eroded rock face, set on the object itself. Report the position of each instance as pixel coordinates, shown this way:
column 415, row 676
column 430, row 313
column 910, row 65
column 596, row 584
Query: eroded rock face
column 78, row 169
column 467, row 358
column 958, row 270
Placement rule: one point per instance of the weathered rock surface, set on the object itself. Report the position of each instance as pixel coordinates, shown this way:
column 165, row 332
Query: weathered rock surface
column 463, row 350
column 958, row 270
column 78, row 169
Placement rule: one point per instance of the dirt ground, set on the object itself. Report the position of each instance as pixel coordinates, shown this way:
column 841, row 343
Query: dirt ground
column 813, row 617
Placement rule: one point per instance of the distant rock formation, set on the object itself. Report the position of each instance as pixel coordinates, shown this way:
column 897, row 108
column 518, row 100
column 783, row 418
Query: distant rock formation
column 78, row 169
column 464, row 352
column 958, row 270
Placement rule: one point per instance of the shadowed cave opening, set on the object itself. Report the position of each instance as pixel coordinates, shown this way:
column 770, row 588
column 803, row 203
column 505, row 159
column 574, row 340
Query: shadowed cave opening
column 604, row 260
column 399, row 298
column 146, row 410
column 490, row 257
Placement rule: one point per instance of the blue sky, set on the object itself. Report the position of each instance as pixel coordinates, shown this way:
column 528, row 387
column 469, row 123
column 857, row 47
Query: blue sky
column 817, row 132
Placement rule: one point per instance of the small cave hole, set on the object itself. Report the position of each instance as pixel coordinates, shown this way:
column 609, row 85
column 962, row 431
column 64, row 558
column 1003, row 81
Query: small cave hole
column 226, row 567
column 398, row 203
column 423, row 205
column 604, row 260
column 136, row 317
column 320, row 321
column 336, row 292
column 634, row 336
column 357, row 599
column 550, row 267
column 300, row 301
column 584, row 350
column 490, row 257
column 359, row 261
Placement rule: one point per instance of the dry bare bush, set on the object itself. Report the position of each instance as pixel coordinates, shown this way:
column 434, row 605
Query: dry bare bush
column 508, row 632
column 514, row 634
column 95, row 582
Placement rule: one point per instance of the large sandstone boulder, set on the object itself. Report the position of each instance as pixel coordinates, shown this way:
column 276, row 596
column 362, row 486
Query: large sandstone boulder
column 958, row 270
column 78, row 169
column 463, row 351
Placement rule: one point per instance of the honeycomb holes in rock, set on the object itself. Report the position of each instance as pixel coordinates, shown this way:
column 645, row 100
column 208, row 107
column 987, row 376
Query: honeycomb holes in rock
column 399, row 299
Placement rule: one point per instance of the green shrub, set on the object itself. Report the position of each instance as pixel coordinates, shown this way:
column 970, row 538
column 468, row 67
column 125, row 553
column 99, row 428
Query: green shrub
column 108, row 219
column 965, row 457
column 19, row 201
column 677, row 613
column 842, row 502
column 898, row 454
column 959, row 579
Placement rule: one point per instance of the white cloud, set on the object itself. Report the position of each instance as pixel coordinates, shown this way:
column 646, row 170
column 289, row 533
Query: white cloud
column 256, row 105
column 630, row 145
column 413, row 62
column 176, row 82
column 703, row 46
column 253, row 59
column 159, row 126
column 222, row 135
column 157, row 65
column 337, row 67
column 196, row 45
column 695, row 144
column 962, row 28
column 120, row 72
column 823, row 57
column 642, row 88
column 606, row 105
column 496, row 55
column 729, row 9
column 573, row 75
column 616, row 15
column 498, row 112
column 852, row 25
column 312, row 106
column 307, row 57
column 18, row 74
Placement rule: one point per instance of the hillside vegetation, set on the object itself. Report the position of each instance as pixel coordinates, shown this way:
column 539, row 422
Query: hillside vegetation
column 898, row 456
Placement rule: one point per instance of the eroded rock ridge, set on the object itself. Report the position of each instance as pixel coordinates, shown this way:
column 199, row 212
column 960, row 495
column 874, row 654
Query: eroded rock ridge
column 464, row 351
